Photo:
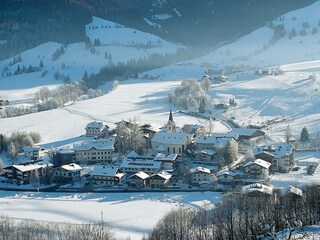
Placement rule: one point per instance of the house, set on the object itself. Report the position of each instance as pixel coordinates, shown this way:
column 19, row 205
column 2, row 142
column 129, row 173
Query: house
column 34, row 152
column 131, row 166
column 258, row 169
column 200, row 175
column 95, row 129
column 280, row 155
column 207, row 157
column 107, row 176
column 229, row 179
column 138, row 180
column 167, row 160
column 92, row 152
column 258, row 190
column 69, row 173
column 246, row 134
column 194, row 129
column 159, row 180
column 26, row 173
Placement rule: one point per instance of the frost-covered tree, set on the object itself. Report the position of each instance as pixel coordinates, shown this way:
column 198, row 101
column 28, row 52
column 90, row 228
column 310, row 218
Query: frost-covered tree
column 206, row 84
column 231, row 152
column 12, row 150
column 304, row 135
column 288, row 134
column 211, row 125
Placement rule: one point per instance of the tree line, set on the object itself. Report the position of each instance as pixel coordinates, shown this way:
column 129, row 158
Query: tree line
column 29, row 229
column 241, row 216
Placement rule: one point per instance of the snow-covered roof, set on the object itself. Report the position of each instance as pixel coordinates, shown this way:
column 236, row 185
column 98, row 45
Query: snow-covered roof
column 141, row 175
column 133, row 154
column 257, row 187
column 247, row 132
column 140, row 163
column 214, row 140
column 72, row 167
column 209, row 152
column 163, row 175
column 94, row 125
column 31, row 149
column 164, row 157
column 227, row 172
column 171, row 137
column 104, row 171
column 200, row 169
column 226, row 135
column 276, row 150
column 258, row 162
column 27, row 167
column 99, row 145
column 292, row 189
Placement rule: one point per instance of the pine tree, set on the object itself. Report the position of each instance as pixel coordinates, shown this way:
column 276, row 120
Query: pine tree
column 41, row 64
column 304, row 135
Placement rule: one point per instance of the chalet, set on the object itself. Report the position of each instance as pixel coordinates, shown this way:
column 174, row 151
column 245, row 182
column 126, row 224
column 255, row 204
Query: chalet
column 131, row 166
column 280, row 155
column 159, row 180
column 167, row 160
column 229, row 179
column 207, row 157
column 258, row 169
column 138, row 180
column 67, row 173
column 216, row 142
column 259, row 190
column 200, row 175
column 107, row 176
column 22, row 173
column 34, row 152
column 99, row 151
column 246, row 134
column 95, row 129
column 220, row 79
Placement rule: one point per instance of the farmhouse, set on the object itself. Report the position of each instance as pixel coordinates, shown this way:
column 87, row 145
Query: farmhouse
column 216, row 142
column 167, row 160
column 280, row 155
column 99, row 151
column 246, row 134
column 107, row 176
column 23, row 173
column 95, row 129
column 200, row 175
column 33, row 152
column 159, row 180
column 257, row 168
column 138, row 180
column 67, row 173
column 131, row 166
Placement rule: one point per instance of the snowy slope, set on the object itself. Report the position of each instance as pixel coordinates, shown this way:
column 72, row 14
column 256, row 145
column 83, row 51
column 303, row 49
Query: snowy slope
column 122, row 43
column 255, row 48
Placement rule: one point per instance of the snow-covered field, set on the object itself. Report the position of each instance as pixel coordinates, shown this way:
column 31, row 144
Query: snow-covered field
column 129, row 214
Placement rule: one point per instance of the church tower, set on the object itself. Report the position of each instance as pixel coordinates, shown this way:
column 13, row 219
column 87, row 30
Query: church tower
column 171, row 126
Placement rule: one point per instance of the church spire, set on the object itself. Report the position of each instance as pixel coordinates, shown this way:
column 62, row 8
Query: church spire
column 170, row 116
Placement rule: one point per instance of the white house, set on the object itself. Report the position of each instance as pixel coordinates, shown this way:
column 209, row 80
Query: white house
column 107, row 176
column 257, row 168
column 159, row 180
column 200, row 175
column 131, row 166
column 68, row 173
column 94, row 129
column 280, row 155
column 167, row 160
column 138, row 180
column 99, row 151
column 34, row 152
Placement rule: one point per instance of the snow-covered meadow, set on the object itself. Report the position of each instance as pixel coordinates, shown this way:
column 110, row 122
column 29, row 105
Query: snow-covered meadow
column 129, row 214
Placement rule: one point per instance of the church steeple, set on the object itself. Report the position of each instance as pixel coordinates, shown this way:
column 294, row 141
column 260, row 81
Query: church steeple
column 170, row 116
column 171, row 126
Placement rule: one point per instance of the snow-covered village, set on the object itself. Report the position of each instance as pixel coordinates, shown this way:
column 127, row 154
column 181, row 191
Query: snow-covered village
column 148, row 120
